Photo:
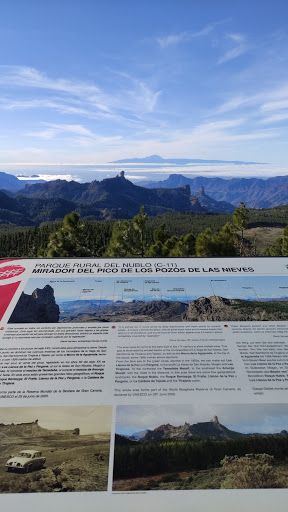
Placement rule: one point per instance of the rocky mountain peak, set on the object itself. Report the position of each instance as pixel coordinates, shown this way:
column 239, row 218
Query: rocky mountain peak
column 215, row 420
column 44, row 294
column 39, row 307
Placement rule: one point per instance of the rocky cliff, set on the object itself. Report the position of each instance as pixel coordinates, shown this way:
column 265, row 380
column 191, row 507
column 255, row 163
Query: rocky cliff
column 208, row 204
column 40, row 307
column 212, row 429
column 257, row 192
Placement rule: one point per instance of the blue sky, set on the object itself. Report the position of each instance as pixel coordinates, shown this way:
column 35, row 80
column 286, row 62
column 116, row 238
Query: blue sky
column 163, row 288
column 90, row 82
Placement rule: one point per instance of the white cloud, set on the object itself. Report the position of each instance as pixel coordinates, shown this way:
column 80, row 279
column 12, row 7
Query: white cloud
column 259, row 105
column 276, row 118
column 174, row 39
column 233, row 104
column 54, row 130
column 275, row 105
column 52, row 177
column 86, row 137
column 232, row 53
column 133, row 97
column 29, row 77
column 135, row 177
column 182, row 37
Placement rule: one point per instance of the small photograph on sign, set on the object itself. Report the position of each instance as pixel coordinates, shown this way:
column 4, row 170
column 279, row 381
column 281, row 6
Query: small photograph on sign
column 186, row 447
column 54, row 449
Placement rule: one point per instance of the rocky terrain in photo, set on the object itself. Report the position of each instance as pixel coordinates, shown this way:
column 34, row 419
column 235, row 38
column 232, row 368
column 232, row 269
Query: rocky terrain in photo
column 212, row 429
column 203, row 309
column 194, row 456
column 32, row 429
column 40, row 307
column 218, row 309
column 74, row 462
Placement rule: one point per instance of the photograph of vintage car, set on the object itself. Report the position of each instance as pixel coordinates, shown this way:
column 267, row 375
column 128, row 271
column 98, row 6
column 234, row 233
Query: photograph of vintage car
column 65, row 449
column 25, row 461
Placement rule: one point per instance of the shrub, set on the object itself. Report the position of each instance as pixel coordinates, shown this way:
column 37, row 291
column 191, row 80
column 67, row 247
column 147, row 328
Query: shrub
column 152, row 484
column 253, row 471
column 170, row 478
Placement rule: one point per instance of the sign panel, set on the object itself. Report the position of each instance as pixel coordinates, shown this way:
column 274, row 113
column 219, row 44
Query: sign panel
column 144, row 384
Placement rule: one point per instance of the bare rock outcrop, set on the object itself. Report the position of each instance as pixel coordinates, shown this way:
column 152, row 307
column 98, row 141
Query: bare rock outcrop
column 33, row 429
column 220, row 309
column 212, row 429
column 39, row 307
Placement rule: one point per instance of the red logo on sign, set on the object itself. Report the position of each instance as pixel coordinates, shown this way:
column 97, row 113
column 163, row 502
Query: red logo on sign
column 11, row 271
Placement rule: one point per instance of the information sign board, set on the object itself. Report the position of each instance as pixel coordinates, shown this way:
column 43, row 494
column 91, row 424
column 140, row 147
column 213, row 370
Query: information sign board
column 144, row 384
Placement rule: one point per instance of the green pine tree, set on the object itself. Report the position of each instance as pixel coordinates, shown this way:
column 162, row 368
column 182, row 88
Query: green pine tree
column 139, row 225
column 120, row 243
column 204, row 244
column 128, row 237
column 275, row 249
column 68, row 241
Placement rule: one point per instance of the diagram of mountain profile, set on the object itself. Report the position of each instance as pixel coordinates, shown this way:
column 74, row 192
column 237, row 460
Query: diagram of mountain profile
column 41, row 307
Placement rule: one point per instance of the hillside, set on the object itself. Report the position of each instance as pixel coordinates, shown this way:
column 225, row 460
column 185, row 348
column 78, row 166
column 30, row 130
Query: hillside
column 204, row 430
column 203, row 309
column 117, row 193
column 255, row 192
column 217, row 309
column 11, row 182
column 23, row 211
column 210, row 205
column 113, row 198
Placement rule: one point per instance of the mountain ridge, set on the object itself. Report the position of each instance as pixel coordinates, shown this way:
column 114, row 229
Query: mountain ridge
column 255, row 192
column 119, row 198
column 110, row 198
column 156, row 159
column 32, row 429
column 212, row 429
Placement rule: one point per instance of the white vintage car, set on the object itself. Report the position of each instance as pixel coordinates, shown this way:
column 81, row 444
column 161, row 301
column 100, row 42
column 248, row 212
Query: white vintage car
column 25, row 461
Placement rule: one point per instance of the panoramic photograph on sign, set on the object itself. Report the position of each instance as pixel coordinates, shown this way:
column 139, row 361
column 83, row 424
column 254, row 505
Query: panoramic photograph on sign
column 164, row 299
